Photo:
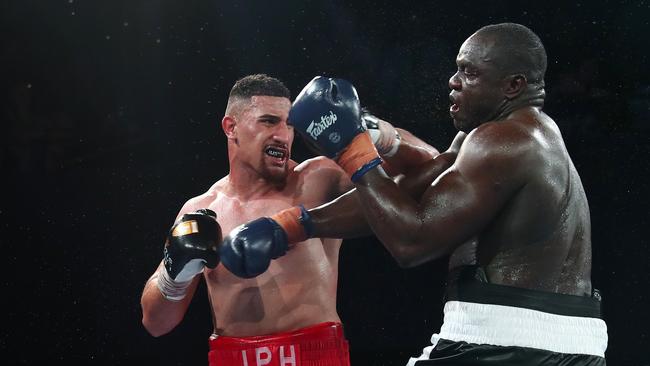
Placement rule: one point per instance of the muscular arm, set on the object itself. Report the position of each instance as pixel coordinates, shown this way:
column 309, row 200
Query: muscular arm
column 344, row 218
column 419, row 176
column 159, row 315
column 411, row 153
column 340, row 218
column 399, row 148
column 452, row 210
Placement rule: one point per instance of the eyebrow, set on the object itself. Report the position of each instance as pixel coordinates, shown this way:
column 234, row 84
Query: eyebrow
column 269, row 117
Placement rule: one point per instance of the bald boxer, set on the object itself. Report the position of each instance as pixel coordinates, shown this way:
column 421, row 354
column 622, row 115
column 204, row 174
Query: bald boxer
column 510, row 210
column 265, row 312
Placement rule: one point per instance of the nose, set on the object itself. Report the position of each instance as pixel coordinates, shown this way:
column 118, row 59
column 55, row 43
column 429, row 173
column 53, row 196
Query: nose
column 454, row 82
column 283, row 133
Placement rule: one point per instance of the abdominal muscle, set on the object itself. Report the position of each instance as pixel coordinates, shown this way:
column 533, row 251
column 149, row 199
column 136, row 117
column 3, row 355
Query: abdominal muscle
column 297, row 290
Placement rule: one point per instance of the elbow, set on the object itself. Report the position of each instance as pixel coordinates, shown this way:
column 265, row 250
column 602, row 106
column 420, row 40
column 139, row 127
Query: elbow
column 406, row 256
column 411, row 242
column 157, row 322
column 406, row 262
column 412, row 254
column 155, row 328
column 160, row 316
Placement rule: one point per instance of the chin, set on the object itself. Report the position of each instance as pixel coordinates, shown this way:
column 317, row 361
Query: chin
column 277, row 174
column 465, row 125
column 460, row 125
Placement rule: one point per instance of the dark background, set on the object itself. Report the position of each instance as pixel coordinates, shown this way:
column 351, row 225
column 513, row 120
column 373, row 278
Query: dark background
column 111, row 121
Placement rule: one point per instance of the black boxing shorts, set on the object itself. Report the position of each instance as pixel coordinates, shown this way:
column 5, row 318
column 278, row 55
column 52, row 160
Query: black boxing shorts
column 488, row 324
column 318, row 345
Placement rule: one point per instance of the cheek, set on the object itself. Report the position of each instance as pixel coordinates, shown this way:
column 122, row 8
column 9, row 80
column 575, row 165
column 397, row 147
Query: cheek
column 474, row 104
column 472, row 99
column 471, row 83
column 479, row 96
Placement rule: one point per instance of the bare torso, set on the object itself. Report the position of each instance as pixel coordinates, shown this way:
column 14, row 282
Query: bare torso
column 299, row 289
column 541, row 238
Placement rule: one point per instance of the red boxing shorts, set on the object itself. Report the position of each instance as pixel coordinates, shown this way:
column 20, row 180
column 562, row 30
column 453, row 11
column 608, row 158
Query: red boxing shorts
column 318, row 345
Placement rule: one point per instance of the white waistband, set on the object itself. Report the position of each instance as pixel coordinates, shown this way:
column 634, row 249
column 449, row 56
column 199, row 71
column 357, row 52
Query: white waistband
column 511, row 326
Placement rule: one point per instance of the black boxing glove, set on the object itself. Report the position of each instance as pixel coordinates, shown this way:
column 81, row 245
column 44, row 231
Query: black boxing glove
column 192, row 244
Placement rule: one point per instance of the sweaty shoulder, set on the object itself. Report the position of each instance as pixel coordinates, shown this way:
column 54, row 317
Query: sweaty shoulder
column 318, row 165
column 503, row 139
column 203, row 200
column 505, row 148
column 321, row 179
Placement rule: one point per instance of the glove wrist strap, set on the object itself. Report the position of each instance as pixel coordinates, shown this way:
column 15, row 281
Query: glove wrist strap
column 359, row 156
column 296, row 222
column 170, row 289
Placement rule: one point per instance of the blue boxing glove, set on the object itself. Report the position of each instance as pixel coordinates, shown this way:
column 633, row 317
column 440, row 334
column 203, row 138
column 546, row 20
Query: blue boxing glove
column 327, row 114
column 248, row 249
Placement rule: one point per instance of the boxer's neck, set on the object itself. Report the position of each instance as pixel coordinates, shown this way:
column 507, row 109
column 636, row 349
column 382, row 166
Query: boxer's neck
column 245, row 183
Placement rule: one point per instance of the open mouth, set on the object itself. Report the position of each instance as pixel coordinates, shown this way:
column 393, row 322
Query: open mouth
column 453, row 109
column 276, row 152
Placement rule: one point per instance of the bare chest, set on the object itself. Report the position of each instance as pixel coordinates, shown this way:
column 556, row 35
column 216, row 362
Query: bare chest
column 232, row 212
column 297, row 290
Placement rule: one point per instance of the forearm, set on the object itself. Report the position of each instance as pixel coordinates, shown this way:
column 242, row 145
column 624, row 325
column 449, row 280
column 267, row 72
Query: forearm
column 418, row 148
column 412, row 152
column 422, row 172
column 160, row 315
column 420, row 177
column 394, row 211
column 340, row 218
column 344, row 218
column 392, row 214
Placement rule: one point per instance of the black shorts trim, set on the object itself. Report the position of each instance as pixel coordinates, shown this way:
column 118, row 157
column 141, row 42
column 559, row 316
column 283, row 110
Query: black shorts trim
column 469, row 284
column 465, row 354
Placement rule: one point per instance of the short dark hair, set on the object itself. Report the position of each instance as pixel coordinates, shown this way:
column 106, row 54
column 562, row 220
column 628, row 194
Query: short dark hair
column 259, row 84
column 523, row 50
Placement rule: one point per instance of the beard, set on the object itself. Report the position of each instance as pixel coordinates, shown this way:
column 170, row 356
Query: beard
column 275, row 175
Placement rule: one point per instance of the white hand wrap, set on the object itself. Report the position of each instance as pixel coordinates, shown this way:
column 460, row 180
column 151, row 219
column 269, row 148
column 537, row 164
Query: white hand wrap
column 375, row 135
column 170, row 289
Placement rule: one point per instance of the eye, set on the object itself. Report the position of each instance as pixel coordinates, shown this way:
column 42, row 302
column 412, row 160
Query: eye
column 469, row 72
column 268, row 121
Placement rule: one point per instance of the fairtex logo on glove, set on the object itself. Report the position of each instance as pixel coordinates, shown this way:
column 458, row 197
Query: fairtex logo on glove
column 315, row 129
column 167, row 258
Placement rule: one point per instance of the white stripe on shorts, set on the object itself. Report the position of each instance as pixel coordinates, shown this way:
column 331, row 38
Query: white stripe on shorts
column 512, row 326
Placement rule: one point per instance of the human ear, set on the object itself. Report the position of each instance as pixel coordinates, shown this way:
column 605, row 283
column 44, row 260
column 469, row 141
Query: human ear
column 514, row 85
column 229, row 126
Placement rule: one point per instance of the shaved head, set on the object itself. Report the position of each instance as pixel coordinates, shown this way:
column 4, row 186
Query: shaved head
column 252, row 85
column 516, row 50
